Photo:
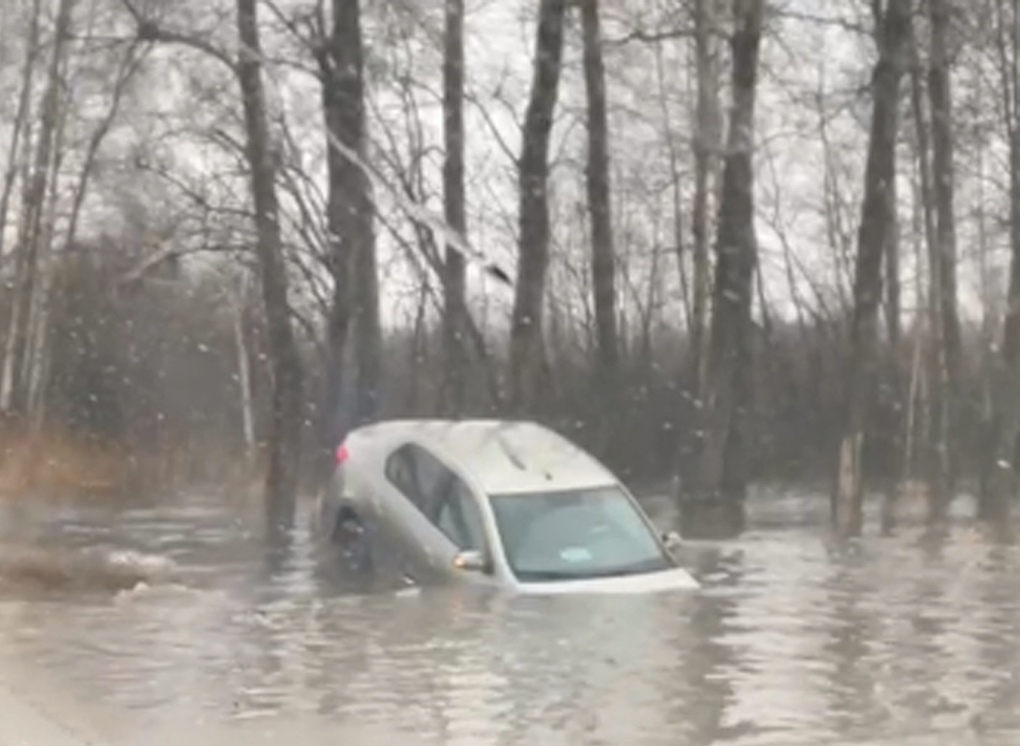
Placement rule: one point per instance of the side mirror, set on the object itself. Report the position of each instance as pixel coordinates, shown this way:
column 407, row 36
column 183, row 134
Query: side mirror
column 470, row 560
column 672, row 541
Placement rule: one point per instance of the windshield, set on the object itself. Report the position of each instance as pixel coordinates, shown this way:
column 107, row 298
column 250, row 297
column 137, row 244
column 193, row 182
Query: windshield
column 575, row 534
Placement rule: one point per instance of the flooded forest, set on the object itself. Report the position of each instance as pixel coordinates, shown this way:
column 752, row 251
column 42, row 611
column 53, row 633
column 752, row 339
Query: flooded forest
column 717, row 243
column 760, row 257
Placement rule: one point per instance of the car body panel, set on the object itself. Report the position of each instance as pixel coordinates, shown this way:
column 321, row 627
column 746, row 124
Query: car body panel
column 487, row 457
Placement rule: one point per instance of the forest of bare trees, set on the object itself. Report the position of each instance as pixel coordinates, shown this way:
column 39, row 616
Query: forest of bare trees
column 720, row 241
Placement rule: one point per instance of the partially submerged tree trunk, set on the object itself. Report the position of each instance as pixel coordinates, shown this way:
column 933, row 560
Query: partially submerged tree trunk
column 717, row 507
column 286, row 415
column 454, row 200
column 893, row 36
column 349, row 215
column 603, row 271
column 534, row 230
column 947, row 358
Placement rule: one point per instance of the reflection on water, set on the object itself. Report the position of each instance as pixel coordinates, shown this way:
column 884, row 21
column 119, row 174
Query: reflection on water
column 795, row 639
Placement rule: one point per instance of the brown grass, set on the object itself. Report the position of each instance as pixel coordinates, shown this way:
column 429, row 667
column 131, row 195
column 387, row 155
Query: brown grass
column 51, row 461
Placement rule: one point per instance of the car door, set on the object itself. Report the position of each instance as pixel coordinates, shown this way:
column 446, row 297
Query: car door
column 441, row 515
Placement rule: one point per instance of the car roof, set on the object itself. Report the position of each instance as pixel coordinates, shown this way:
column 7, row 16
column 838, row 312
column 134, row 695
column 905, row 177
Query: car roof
column 499, row 456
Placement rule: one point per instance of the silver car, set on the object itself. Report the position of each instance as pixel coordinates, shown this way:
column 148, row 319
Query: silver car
column 511, row 505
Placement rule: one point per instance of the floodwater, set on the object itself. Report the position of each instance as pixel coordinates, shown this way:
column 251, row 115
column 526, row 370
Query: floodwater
column 173, row 623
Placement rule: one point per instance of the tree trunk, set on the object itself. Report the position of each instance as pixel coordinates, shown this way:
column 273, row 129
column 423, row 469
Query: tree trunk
column 893, row 35
column 718, row 507
column 349, row 214
column 708, row 123
column 999, row 482
column 454, row 288
column 943, row 482
column 534, row 230
column 20, row 125
column 284, row 447
column 599, row 208
column 15, row 383
column 246, row 399
column 36, row 364
column 893, row 304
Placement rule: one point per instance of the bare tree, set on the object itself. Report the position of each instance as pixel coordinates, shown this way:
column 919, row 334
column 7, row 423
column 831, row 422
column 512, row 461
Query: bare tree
column 602, row 251
column 14, row 389
column 893, row 22
column 534, row 228
column 454, row 286
column 717, row 507
column 948, row 356
column 349, row 213
column 999, row 475
column 708, row 125
column 286, row 416
column 19, row 132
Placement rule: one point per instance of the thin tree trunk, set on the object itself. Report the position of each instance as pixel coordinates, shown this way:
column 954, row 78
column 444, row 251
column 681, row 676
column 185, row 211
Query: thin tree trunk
column 848, row 496
column 603, row 272
column 949, row 353
column 718, row 507
column 245, row 395
column 708, row 123
column 30, row 235
column 534, row 229
column 129, row 67
column 36, row 368
column 288, row 377
column 454, row 287
column 20, row 124
column 893, row 303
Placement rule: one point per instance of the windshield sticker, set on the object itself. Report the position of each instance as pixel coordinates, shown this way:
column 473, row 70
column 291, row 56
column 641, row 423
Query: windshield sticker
column 576, row 554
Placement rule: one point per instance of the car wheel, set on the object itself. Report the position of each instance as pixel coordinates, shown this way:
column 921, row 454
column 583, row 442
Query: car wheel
column 351, row 536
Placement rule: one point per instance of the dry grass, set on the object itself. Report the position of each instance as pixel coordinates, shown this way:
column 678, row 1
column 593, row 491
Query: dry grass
column 53, row 462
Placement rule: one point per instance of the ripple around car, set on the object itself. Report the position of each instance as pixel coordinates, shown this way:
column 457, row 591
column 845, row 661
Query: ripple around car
column 507, row 504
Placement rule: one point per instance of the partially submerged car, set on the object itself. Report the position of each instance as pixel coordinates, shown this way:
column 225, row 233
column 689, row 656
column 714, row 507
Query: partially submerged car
column 511, row 505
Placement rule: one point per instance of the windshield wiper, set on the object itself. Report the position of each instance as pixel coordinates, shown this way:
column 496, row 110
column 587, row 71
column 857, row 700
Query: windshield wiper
column 650, row 565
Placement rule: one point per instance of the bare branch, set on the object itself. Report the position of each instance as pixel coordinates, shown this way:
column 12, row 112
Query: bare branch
column 149, row 30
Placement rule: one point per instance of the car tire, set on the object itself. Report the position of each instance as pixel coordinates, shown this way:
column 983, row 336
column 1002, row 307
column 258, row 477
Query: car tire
column 351, row 536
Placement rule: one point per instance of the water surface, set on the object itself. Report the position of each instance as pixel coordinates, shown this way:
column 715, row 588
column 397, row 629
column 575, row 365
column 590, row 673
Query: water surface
column 178, row 622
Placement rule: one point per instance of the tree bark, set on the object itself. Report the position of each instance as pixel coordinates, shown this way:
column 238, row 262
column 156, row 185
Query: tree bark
column 949, row 355
column 15, row 374
column 349, row 214
column 454, row 286
column 708, row 123
column 603, row 271
column 893, row 37
column 999, row 474
column 286, row 414
column 534, row 230
column 20, row 125
column 717, row 509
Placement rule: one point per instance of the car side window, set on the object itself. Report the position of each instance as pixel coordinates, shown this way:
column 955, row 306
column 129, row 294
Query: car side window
column 438, row 493
column 458, row 516
column 418, row 474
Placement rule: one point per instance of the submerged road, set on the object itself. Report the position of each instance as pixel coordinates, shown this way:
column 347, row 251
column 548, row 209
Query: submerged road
column 28, row 721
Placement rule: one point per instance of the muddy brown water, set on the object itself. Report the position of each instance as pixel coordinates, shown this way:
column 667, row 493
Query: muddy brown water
column 176, row 624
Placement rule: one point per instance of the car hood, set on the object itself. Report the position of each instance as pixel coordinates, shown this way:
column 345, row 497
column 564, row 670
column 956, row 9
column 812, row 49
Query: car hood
column 674, row 579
